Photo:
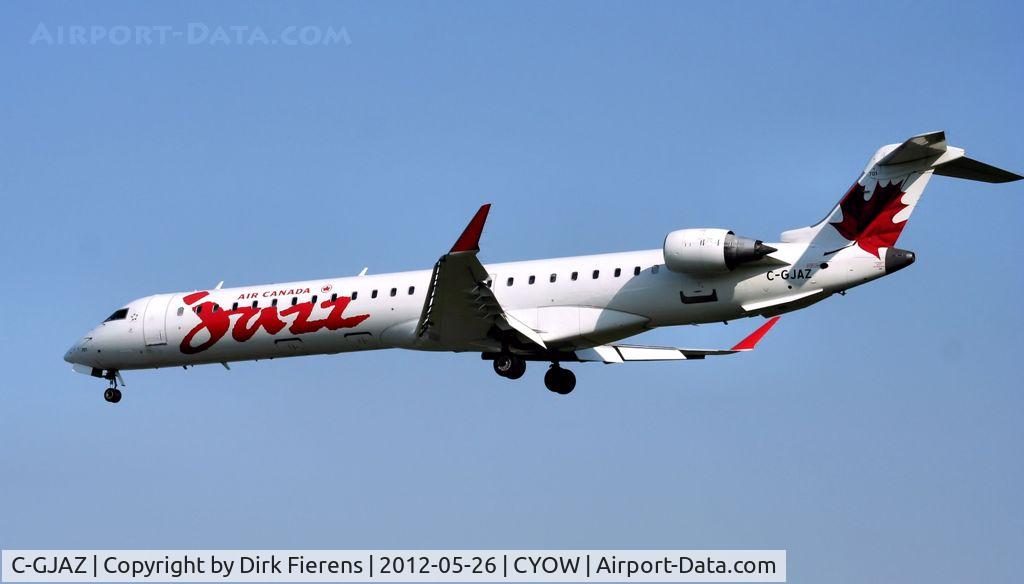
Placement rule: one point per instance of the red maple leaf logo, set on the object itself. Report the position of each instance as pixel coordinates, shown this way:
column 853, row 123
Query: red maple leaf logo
column 870, row 223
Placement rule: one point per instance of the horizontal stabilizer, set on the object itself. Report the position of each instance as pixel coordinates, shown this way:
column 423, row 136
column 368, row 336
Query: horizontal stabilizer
column 971, row 169
column 932, row 144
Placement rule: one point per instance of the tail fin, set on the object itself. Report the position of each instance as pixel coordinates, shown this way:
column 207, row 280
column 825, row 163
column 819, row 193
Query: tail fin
column 876, row 208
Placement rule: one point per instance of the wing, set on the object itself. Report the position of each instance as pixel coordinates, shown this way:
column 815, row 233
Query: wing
column 616, row 353
column 460, row 310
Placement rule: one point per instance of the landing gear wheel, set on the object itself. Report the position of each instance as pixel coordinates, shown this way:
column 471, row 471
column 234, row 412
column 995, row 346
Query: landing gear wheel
column 560, row 381
column 518, row 370
column 112, row 395
column 568, row 381
column 510, row 366
column 503, row 364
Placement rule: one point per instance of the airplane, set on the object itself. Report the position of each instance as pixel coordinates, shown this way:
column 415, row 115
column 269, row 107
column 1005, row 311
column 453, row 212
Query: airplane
column 562, row 310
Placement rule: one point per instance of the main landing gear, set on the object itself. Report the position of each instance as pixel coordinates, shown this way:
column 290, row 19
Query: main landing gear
column 512, row 366
column 509, row 365
column 558, row 380
column 112, row 394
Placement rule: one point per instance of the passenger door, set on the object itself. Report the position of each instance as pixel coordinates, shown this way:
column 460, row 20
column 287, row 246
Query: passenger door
column 154, row 323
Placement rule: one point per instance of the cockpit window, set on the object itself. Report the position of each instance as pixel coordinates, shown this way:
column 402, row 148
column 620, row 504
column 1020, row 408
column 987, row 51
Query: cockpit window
column 120, row 314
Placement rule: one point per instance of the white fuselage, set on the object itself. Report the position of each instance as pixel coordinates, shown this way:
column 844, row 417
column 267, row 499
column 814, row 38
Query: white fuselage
column 555, row 310
column 573, row 303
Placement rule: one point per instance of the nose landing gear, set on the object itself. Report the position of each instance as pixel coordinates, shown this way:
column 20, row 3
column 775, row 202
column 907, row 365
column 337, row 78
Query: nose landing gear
column 112, row 394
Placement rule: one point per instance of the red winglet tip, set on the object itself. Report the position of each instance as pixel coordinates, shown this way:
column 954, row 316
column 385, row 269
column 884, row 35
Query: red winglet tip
column 751, row 341
column 470, row 238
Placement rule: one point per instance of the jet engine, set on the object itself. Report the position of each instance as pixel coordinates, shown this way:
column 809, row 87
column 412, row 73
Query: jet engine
column 690, row 251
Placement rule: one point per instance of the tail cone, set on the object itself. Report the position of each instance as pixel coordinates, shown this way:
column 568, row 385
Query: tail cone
column 896, row 259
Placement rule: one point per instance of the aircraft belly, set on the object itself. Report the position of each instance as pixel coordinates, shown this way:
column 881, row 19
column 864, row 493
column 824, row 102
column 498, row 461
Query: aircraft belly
column 678, row 300
column 585, row 325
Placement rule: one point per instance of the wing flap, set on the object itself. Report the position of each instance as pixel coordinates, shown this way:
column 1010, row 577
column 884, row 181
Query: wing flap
column 616, row 353
column 772, row 302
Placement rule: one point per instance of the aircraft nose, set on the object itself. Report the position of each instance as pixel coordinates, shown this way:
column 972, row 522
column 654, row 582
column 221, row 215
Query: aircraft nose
column 72, row 354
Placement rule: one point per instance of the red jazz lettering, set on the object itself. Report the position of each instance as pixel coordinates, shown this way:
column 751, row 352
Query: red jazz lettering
column 216, row 321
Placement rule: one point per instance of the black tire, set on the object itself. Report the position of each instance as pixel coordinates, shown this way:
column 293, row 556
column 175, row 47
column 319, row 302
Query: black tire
column 553, row 378
column 566, row 381
column 518, row 369
column 112, row 395
column 504, row 364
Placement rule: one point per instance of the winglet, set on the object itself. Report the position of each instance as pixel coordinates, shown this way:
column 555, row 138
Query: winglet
column 751, row 341
column 470, row 238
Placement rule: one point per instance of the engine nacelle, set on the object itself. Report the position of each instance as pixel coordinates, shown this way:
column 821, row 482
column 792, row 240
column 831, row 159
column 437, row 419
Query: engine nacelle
column 700, row 251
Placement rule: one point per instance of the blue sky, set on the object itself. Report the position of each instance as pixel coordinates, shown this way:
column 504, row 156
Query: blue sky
column 874, row 436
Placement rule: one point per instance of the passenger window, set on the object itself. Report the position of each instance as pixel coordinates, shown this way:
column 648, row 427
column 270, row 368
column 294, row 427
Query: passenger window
column 574, row 276
column 314, row 299
column 636, row 271
column 198, row 309
column 373, row 294
column 273, row 302
column 234, row 306
column 394, row 291
column 532, row 279
column 618, row 272
column 295, row 300
column 181, row 310
column 553, row 278
column 412, row 289
column 334, row 296
column 255, row 303
column 216, row 307
column 596, row 274
column 355, row 295
column 509, row 281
